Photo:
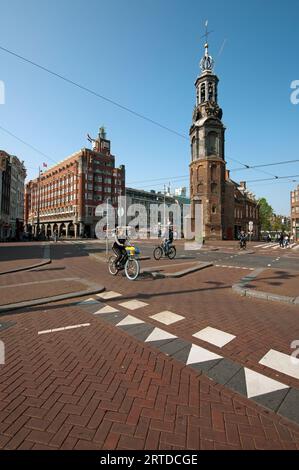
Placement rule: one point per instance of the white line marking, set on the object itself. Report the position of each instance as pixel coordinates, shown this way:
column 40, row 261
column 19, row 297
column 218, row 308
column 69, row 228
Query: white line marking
column 71, row 327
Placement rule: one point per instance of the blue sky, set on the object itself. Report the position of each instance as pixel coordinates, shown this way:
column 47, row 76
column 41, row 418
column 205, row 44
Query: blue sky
column 145, row 54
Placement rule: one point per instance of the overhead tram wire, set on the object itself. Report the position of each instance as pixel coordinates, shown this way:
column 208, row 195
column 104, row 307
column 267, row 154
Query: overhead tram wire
column 115, row 103
column 247, row 167
column 265, row 164
column 174, row 178
column 92, row 92
column 27, row 144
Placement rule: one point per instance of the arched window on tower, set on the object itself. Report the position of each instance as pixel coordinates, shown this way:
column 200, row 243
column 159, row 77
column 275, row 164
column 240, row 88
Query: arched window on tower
column 213, row 172
column 213, row 143
column 213, row 188
column 194, row 150
column 203, row 92
column 210, row 91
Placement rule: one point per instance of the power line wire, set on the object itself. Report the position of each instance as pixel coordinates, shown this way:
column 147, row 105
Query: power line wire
column 115, row 103
column 249, row 167
column 27, row 144
column 92, row 92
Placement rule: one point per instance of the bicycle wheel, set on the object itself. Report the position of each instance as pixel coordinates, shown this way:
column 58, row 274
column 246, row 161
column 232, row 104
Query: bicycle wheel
column 132, row 269
column 158, row 252
column 171, row 252
column 111, row 266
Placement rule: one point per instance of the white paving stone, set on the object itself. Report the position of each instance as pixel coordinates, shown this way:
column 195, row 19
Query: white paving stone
column 107, row 295
column 133, row 304
column 106, row 309
column 130, row 320
column 199, row 354
column 167, row 317
column 258, row 384
column 157, row 334
column 214, row 336
column 284, row 363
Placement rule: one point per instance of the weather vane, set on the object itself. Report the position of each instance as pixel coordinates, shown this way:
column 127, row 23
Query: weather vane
column 207, row 62
column 206, row 35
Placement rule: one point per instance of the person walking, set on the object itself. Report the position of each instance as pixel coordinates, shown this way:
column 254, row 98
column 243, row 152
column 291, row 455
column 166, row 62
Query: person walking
column 56, row 236
column 286, row 241
column 281, row 240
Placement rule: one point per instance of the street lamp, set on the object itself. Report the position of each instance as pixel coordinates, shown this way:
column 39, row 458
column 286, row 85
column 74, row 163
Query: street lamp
column 38, row 204
column 107, row 227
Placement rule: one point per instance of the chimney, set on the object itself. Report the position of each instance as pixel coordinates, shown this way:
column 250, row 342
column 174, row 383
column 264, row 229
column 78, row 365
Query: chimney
column 243, row 184
column 227, row 174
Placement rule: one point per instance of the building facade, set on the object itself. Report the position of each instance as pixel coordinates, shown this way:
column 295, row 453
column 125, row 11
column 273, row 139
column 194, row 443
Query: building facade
column 64, row 198
column 12, row 184
column 166, row 205
column 295, row 213
column 227, row 207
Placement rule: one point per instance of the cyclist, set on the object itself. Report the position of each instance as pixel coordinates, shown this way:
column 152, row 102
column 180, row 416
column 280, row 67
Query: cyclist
column 168, row 241
column 243, row 239
column 119, row 246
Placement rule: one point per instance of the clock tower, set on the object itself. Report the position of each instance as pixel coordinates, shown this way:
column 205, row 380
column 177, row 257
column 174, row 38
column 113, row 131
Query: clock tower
column 207, row 167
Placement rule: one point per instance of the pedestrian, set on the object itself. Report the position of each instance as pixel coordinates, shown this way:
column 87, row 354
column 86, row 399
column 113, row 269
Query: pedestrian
column 286, row 241
column 281, row 240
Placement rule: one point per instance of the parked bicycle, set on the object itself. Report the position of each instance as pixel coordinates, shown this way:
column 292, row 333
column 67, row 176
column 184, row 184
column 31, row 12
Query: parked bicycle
column 128, row 262
column 168, row 251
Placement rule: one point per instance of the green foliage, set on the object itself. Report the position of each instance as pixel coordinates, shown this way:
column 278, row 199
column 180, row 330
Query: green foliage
column 266, row 214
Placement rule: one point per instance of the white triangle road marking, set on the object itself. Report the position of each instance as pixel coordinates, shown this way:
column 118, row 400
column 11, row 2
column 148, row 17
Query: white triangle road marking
column 106, row 309
column 199, row 354
column 258, row 384
column 129, row 320
column 157, row 334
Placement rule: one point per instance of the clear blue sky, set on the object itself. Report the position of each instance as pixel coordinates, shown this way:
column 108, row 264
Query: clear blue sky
column 145, row 55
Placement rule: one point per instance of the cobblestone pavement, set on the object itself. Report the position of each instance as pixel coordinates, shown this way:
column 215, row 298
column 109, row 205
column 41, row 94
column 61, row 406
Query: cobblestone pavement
column 72, row 379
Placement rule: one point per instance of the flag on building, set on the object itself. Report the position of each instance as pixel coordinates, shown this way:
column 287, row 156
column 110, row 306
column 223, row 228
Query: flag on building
column 45, row 165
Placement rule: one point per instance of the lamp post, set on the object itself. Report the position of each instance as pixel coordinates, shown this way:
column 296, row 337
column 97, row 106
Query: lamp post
column 38, row 205
column 107, row 227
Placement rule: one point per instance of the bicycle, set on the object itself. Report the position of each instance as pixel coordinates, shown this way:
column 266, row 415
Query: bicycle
column 242, row 244
column 159, row 251
column 128, row 262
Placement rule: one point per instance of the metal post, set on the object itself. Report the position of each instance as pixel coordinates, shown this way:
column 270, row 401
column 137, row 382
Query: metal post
column 38, row 204
column 107, row 227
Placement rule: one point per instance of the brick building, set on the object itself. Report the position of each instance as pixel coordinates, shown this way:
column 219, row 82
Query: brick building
column 65, row 196
column 295, row 213
column 228, row 207
column 12, row 183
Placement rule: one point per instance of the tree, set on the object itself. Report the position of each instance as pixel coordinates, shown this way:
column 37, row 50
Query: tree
column 266, row 214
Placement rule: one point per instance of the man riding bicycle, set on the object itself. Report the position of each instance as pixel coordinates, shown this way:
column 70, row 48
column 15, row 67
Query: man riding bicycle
column 169, row 240
column 243, row 239
column 119, row 246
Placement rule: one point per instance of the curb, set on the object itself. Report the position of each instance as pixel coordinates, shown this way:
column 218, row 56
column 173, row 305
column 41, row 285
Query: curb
column 95, row 289
column 184, row 272
column 46, row 258
column 248, row 292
